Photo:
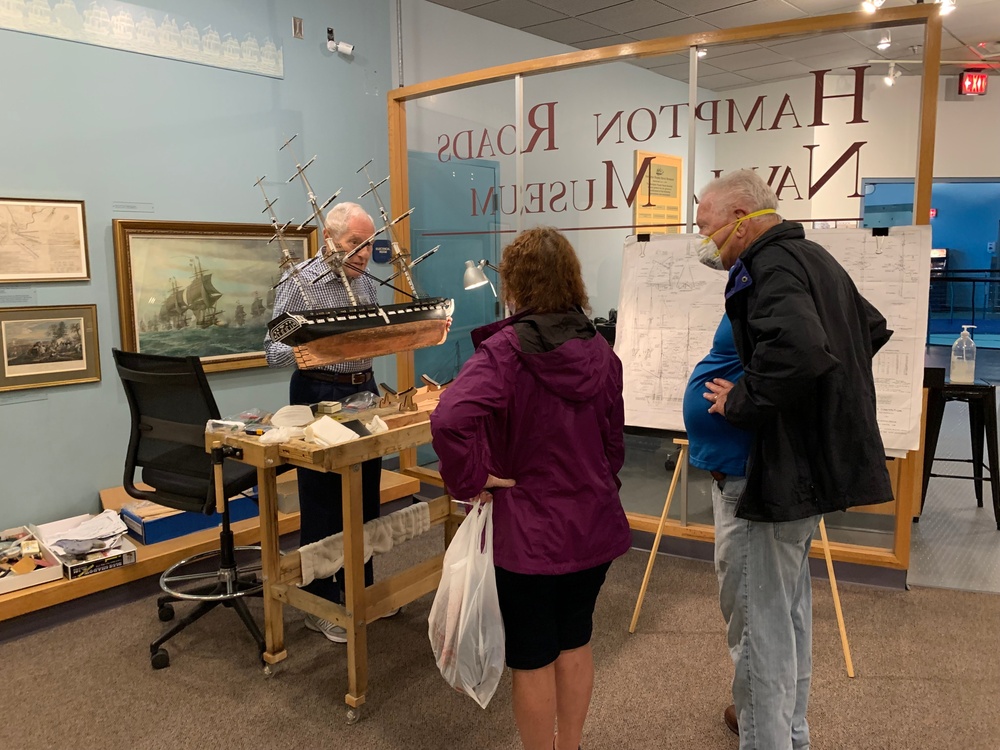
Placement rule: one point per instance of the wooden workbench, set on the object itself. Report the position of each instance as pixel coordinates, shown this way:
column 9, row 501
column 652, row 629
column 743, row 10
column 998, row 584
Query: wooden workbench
column 281, row 575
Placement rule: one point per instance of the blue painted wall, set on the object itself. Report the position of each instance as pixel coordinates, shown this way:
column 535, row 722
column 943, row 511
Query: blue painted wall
column 102, row 125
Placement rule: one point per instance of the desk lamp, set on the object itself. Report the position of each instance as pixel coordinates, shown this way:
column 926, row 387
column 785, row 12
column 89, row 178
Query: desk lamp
column 475, row 277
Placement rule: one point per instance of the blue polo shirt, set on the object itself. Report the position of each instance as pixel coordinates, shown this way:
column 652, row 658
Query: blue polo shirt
column 715, row 445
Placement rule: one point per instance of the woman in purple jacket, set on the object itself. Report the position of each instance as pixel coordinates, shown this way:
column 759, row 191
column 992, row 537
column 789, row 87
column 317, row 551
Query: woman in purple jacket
column 539, row 404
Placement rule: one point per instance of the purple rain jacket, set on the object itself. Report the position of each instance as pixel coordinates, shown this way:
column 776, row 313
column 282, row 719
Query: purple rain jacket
column 540, row 402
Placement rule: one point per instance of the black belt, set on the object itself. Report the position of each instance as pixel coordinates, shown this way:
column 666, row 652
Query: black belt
column 344, row 378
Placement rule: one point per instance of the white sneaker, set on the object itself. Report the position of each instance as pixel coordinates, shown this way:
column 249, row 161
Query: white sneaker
column 393, row 613
column 330, row 631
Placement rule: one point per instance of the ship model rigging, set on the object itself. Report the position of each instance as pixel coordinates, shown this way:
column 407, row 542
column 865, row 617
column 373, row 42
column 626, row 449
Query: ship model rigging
column 324, row 336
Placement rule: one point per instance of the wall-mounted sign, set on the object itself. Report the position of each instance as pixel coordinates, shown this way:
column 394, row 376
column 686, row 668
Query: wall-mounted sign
column 972, row 83
column 656, row 208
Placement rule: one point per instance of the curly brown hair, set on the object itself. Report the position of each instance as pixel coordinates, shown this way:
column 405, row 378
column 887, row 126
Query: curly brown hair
column 540, row 271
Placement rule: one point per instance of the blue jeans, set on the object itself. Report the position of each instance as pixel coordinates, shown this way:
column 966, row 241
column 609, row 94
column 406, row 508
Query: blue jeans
column 765, row 594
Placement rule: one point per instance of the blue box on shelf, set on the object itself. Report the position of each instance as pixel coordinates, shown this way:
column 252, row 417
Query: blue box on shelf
column 173, row 525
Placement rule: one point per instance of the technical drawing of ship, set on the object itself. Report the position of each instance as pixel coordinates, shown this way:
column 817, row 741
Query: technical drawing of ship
column 202, row 296
column 190, row 38
column 169, row 34
column 97, row 20
column 231, row 48
column 39, row 13
column 145, row 32
column 122, row 25
column 12, row 8
column 250, row 49
column 211, row 42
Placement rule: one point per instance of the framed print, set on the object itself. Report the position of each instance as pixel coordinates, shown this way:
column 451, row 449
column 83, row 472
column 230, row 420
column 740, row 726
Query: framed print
column 199, row 288
column 45, row 346
column 42, row 240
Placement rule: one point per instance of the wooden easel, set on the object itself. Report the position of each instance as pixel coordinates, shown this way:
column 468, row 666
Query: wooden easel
column 681, row 465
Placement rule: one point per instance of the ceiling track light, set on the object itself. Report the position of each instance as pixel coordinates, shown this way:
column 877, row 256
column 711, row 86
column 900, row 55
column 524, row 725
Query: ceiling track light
column 886, row 40
column 702, row 52
column 947, row 6
column 892, row 75
column 870, row 6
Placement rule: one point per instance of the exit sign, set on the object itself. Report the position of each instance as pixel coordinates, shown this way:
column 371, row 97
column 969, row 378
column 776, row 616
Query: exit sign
column 972, row 83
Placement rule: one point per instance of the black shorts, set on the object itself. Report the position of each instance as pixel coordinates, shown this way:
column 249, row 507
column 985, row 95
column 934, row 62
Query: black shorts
column 544, row 615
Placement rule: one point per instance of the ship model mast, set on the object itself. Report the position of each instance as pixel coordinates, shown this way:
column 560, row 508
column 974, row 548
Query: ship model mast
column 325, row 336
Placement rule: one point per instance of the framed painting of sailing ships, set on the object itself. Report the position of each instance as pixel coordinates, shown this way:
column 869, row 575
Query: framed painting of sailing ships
column 200, row 289
column 42, row 240
column 45, row 346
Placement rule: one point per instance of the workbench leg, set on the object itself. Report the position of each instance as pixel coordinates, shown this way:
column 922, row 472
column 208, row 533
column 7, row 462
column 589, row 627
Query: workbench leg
column 355, row 597
column 274, row 624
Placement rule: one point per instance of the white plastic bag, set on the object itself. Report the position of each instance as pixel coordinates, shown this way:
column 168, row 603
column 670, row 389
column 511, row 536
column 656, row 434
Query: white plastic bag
column 465, row 628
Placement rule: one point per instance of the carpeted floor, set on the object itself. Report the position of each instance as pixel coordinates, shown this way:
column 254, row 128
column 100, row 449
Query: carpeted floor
column 928, row 676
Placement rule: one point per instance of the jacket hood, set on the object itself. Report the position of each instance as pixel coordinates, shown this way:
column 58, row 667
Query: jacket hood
column 561, row 350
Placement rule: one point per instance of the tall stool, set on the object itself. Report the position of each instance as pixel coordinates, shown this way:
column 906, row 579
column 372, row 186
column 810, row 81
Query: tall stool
column 981, row 398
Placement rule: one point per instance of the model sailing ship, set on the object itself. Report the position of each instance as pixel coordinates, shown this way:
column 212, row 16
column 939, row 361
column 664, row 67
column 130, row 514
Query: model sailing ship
column 324, row 336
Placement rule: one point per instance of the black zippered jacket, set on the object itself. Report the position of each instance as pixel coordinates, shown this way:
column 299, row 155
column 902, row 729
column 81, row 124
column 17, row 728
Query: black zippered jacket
column 806, row 338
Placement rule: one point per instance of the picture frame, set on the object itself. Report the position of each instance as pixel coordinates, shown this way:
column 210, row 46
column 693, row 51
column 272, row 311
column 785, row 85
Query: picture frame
column 203, row 289
column 48, row 346
column 43, row 240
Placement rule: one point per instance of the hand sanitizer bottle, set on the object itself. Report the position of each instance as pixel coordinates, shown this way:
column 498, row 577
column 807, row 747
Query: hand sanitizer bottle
column 963, row 358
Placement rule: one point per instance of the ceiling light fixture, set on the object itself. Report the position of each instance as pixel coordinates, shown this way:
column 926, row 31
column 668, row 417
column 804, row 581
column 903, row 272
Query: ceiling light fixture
column 702, row 52
column 892, row 75
column 886, row 40
column 947, row 6
column 870, row 6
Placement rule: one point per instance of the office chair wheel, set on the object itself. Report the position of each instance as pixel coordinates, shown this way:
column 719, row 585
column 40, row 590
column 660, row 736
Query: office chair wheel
column 160, row 659
column 165, row 613
column 353, row 714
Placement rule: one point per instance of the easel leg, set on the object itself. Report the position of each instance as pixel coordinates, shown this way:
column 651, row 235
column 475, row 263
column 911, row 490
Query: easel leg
column 836, row 599
column 355, row 596
column 681, row 460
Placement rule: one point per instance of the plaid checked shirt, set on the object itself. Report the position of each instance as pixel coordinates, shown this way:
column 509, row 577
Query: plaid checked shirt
column 330, row 292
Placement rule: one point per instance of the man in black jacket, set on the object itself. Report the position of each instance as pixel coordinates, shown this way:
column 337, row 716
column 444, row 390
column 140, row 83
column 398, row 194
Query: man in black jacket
column 805, row 337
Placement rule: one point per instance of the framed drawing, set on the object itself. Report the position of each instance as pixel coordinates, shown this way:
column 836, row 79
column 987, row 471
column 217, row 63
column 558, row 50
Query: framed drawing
column 44, row 346
column 199, row 288
column 42, row 240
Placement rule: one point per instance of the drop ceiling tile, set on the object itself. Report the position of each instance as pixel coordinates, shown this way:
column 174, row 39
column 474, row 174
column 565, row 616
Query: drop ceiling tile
column 730, row 49
column 604, row 41
column 906, row 35
column 824, row 7
column 660, row 61
column 515, row 13
column 674, row 28
column 837, row 61
column 723, row 81
column 459, row 4
column 750, row 59
column 576, row 7
column 695, row 7
column 632, row 15
column 680, row 72
column 747, row 14
column 775, row 72
column 960, row 53
column 817, row 45
column 568, row 31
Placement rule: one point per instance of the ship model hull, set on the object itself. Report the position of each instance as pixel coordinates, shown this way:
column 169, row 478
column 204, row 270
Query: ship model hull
column 339, row 334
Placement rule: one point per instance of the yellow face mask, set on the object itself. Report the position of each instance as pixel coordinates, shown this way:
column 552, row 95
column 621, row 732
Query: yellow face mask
column 710, row 254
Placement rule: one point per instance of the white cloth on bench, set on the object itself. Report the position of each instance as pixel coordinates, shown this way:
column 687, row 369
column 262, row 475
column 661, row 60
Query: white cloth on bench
column 324, row 558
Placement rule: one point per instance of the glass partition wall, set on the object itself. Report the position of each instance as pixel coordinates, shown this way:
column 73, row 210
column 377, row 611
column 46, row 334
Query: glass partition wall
column 612, row 143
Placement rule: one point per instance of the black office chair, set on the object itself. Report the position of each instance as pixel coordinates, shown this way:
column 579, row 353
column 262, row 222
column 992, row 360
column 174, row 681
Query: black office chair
column 171, row 401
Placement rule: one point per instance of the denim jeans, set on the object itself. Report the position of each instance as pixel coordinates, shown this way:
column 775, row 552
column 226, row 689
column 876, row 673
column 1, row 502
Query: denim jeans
column 765, row 594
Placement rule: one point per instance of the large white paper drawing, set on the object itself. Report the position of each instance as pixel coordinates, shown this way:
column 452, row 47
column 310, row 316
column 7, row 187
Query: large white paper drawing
column 134, row 28
column 670, row 305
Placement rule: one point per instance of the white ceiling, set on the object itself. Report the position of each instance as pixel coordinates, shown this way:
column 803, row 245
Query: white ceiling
column 586, row 24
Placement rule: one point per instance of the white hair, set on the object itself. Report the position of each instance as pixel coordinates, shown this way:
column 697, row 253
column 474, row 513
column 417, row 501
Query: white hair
column 743, row 189
column 339, row 217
